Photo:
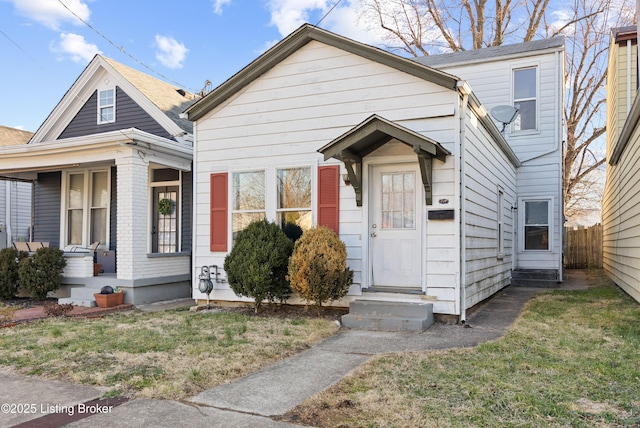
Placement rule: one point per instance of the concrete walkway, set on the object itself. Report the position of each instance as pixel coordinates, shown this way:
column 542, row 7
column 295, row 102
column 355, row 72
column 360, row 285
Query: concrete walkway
column 252, row 400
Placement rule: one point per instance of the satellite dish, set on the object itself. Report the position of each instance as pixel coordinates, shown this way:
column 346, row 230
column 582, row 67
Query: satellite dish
column 504, row 114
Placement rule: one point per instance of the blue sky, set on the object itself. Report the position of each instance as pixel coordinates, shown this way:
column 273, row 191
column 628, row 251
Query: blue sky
column 44, row 47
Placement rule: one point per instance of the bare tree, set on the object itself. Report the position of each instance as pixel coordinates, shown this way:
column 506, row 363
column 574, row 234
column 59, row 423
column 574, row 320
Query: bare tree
column 422, row 27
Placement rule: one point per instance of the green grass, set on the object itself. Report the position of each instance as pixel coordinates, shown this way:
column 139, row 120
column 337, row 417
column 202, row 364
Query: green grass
column 572, row 359
column 161, row 355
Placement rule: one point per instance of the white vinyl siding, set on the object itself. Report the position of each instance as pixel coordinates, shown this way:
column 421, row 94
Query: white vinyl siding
column 539, row 151
column 486, row 169
column 313, row 96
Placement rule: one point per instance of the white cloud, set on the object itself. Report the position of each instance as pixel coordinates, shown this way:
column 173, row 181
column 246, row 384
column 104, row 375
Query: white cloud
column 171, row 52
column 218, row 4
column 288, row 15
column 52, row 13
column 76, row 47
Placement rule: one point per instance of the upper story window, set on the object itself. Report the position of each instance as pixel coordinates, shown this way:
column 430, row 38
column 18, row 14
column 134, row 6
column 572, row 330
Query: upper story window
column 106, row 106
column 525, row 92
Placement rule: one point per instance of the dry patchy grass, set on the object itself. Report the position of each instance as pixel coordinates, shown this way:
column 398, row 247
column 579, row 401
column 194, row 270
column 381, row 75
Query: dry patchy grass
column 570, row 360
column 160, row 355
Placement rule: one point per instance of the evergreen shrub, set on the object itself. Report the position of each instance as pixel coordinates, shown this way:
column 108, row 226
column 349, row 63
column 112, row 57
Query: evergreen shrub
column 256, row 267
column 9, row 259
column 318, row 269
column 42, row 272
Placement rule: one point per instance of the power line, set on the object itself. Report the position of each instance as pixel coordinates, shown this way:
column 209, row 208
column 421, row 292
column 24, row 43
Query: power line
column 328, row 12
column 123, row 50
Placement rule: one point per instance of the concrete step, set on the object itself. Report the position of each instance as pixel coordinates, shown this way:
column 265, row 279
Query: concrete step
column 543, row 278
column 78, row 302
column 388, row 316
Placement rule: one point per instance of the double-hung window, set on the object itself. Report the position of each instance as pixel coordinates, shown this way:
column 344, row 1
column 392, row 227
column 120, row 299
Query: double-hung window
column 106, row 106
column 500, row 222
column 536, row 225
column 294, row 197
column 525, row 91
column 248, row 202
column 87, row 207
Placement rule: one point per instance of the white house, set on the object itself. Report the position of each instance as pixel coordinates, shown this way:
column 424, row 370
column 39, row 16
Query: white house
column 401, row 159
column 101, row 161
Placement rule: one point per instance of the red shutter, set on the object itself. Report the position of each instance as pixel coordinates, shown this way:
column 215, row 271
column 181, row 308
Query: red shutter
column 329, row 196
column 219, row 212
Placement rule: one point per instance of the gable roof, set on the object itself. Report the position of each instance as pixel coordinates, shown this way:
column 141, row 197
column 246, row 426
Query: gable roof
column 13, row 136
column 161, row 100
column 496, row 53
column 303, row 35
column 171, row 100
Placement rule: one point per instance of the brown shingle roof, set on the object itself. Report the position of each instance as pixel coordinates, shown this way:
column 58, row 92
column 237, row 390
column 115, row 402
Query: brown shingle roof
column 167, row 97
column 13, row 136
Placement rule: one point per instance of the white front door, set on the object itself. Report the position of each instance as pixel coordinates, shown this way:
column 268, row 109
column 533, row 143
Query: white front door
column 395, row 233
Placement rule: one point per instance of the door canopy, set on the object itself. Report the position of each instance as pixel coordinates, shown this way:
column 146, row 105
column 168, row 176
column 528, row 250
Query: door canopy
column 352, row 146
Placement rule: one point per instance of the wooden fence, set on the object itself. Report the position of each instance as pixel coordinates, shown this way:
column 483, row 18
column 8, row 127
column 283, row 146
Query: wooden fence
column 584, row 248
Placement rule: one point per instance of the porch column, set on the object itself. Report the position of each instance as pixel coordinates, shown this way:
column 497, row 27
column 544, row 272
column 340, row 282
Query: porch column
column 133, row 217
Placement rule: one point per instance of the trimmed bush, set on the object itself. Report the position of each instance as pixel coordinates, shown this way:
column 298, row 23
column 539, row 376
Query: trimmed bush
column 9, row 259
column 42, row 272
column 318, row 269
column 257, row 264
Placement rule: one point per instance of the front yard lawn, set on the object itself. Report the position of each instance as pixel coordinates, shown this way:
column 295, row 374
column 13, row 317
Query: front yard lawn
column 172, row 355
column 572, row 359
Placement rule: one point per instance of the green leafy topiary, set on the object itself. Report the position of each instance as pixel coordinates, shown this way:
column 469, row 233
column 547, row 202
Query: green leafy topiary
column 42, row 272
column 318, row 269
column 257, row 264
column 9, row 259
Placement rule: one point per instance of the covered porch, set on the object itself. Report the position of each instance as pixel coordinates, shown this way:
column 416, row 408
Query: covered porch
column 97, row 198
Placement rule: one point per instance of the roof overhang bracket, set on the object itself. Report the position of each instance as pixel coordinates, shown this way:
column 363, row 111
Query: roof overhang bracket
column 425, row 160
column 353, row 164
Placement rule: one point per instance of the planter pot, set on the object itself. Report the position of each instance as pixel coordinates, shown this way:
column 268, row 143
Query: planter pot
column 108, row 300
column 97, row 267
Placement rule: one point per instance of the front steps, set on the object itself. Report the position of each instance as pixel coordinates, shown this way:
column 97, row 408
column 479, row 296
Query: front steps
column 543, row 278
column 388, row 315
column 82, row 295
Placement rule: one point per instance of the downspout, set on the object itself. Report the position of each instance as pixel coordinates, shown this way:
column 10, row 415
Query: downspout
column 7, row 213
column 559, row 96
column 465, row 91
column 194, row 212
column 628, row 77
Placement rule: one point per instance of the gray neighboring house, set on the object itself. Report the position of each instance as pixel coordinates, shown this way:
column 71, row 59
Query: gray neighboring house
column 112, row 148
column 15, row 195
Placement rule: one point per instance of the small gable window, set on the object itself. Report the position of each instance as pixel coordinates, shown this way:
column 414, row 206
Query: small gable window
column 106, row 106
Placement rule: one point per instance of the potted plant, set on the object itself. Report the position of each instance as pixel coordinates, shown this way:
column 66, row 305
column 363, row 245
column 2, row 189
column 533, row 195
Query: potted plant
column 108, row 300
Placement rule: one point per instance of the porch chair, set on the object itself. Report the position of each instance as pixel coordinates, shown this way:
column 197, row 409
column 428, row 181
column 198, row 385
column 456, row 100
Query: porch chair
column 35, row 246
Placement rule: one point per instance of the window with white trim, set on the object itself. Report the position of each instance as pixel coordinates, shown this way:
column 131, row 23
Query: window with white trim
column 107, row 106
column 248, row 199
column 294, row 197
column 283, row 195
column 86, row 207
column 525, row 91
column 536, row 224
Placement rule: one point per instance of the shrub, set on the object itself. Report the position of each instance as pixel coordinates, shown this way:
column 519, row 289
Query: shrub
column 257, row 264
column 292, row 230
column 42, row 272
column 9, row 259
column 318, row 269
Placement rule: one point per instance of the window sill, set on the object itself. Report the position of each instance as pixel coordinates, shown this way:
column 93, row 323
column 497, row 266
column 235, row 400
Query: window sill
column 162, row 255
